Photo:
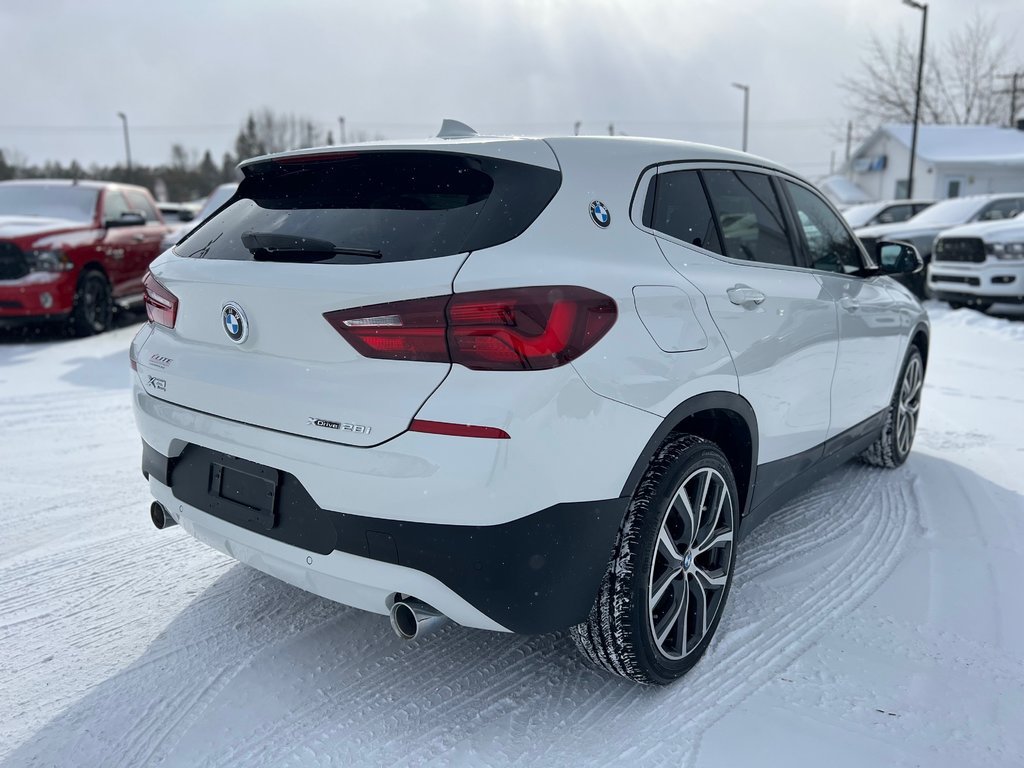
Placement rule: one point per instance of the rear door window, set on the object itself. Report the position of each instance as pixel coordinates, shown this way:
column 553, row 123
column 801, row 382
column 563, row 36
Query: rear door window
column 678, row 207
column 374, row 207
column 749, row 217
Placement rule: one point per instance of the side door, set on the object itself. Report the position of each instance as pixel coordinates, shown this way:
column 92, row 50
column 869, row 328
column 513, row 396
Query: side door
column 872, row 335
column 116, row 245
column 779, row 324
column 145, row 240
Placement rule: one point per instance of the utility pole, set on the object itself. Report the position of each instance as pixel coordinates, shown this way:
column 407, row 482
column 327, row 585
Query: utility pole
column 923, row 7
column 341, row 130
column 1016, row 85
column 127, row 146
column 746, row 110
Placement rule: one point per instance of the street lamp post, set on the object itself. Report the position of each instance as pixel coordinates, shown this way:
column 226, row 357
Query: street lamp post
column 923, row 7
column 127, row 146
column 746, row 110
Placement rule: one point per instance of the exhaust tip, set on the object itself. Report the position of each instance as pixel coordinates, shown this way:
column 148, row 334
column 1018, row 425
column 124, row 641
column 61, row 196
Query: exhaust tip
column 160, row 516
column 403, row 621
column 412, row 618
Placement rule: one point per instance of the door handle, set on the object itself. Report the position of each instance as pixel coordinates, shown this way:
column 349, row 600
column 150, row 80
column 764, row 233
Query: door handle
column 744, row 294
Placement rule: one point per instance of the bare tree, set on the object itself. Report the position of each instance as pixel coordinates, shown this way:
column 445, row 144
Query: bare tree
column 959, row 84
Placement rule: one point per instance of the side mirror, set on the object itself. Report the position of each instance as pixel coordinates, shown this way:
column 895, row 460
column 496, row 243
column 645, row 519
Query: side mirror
column 186, row 215
column 126, row 219
column 898, row 258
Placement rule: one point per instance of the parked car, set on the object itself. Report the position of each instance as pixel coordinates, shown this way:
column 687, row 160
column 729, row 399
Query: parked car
column 883, row 212
column 182, row 212
column 72, row 250
column 978, row 265
column 525, row 385
column 220, row 195
column 922, row 229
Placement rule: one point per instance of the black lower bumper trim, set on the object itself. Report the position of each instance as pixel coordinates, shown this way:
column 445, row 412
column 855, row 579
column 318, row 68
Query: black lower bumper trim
column 539, row 573
column 974, row 299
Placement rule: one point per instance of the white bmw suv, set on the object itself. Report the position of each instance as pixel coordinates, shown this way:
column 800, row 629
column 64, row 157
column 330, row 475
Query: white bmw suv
column 520, row 384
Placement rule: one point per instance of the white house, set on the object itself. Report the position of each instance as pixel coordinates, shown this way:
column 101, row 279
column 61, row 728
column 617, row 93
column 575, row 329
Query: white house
column 952, row 161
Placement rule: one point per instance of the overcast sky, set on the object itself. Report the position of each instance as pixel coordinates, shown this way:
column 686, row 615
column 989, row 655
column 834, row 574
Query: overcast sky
column 188, row 71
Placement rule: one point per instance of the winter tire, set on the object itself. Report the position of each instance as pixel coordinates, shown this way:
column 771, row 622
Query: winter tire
column 93, row 311
column 893, row 446
column 666, row 586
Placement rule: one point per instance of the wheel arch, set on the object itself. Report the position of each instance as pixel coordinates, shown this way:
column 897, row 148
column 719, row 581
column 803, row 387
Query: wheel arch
column 920, row 339
column 724, row 418
column 93, row 265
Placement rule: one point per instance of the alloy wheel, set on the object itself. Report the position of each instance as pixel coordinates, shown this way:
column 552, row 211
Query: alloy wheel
column 909, row 405
column 690, row 568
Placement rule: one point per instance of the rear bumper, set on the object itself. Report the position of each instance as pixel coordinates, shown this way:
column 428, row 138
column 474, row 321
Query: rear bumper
column 37, row 296
column 539, row 573
column 497, row 534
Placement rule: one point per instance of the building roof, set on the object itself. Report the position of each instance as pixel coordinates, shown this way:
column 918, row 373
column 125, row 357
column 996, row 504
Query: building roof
column 841, row 191
column 958, row 143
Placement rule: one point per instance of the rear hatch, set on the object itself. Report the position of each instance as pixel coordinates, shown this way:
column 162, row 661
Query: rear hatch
column 308, row 234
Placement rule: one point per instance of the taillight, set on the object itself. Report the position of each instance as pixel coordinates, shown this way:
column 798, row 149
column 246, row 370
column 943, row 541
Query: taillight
column 161, row 304
column 510, row 329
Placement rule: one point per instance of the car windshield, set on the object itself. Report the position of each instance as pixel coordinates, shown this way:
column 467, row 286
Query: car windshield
column 955, row 211
column 52, row 202
column 859, row 215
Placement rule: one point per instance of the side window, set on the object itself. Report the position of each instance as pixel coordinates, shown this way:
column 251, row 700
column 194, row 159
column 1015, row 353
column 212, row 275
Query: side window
column 749, row 217
column 114, row 205
column 895, row 213
column 831, row 247
column 1001, row 209
column 142, row 205
column 680, row 209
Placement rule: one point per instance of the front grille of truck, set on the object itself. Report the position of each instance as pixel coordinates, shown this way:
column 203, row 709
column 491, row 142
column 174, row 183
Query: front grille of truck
column 960, row 249
column 12, row 262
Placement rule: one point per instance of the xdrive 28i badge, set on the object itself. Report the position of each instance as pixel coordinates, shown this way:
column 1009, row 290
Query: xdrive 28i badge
column 599, row 213
column 235, row 324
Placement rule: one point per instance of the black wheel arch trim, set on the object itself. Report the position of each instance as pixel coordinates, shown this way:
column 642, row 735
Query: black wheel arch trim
column 707, row 402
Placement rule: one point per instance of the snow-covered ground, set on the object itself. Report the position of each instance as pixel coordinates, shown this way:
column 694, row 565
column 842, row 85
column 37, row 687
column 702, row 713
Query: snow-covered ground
column 875, row 621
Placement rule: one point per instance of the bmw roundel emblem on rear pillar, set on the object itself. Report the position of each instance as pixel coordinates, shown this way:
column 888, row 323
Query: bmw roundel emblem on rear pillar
column 599, row 213
column 235, row 324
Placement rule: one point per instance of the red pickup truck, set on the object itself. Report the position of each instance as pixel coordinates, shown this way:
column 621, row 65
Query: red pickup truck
column 72, row 250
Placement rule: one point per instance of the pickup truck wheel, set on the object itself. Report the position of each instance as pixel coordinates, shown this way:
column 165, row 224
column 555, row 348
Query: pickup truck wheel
column 663, row 594
column 93, row 311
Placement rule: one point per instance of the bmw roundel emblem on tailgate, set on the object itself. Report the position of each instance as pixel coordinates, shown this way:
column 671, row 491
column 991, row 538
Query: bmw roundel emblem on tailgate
column 599, row 213
column 235, row 324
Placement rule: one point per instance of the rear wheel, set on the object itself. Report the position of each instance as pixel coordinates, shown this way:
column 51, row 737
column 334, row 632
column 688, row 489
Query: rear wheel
column 893, row 446
column 662, row 597
column 93, row 311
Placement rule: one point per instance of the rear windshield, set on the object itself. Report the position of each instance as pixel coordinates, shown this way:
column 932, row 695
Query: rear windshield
column 373, row 207
column 57, row 202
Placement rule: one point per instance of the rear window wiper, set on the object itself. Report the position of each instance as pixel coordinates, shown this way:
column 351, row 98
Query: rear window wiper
column 269, row 246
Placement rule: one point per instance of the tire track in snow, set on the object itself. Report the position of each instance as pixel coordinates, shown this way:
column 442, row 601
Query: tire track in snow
column 513, row 675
